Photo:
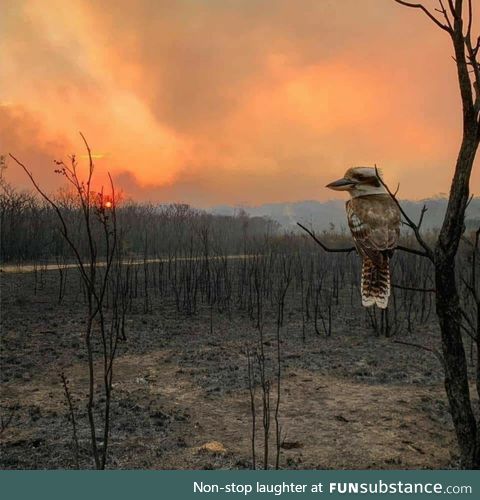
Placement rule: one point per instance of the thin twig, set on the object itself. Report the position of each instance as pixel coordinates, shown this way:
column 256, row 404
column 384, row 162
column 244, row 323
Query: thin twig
column 436, row 353
column 413, row 289
column 71, row 411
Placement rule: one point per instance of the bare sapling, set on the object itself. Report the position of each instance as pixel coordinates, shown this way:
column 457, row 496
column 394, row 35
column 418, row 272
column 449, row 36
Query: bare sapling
column 95, row 233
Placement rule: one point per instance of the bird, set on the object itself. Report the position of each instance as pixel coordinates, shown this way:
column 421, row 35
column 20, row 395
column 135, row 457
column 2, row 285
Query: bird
column 374, row 220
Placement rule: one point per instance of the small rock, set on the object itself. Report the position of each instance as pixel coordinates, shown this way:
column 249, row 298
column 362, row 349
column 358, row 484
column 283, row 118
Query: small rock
column 214, row 447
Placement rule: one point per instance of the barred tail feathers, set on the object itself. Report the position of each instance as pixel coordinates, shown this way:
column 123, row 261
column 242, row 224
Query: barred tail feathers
column 375, row 285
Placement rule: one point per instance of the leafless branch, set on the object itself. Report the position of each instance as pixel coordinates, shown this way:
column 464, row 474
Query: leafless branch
column 427, row 12
column 327, row 249
column 413, row 289
column 470, row 331
column 452, row 9
column 435, row 352
column 428, row 252
column 470, row 19
column 469, row 200
column 401, row 248
column 424, row 209
column 71, row 412
column 443, row 11
column 64, row 230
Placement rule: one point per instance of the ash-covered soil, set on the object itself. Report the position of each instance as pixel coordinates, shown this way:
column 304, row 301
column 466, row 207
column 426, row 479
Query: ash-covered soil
column 352, row 400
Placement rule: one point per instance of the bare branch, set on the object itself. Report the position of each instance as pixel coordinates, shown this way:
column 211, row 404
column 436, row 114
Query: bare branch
column 477, row 46
column 71, row 411
column 327, row 249
column 435, row 352
column 470, row 328
column 413, row 289
column 64, row 230
column 445, row 14
column 90, row 160
column 452, row 8
column 472, row 56
column 428, row 251
column 469, row 200
column 470, row 19
column 424, row 209
column 351, row 249
column 427, row 12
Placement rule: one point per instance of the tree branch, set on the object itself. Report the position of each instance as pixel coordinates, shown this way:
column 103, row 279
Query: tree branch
column 64, row 228
column 445, row 14
column 413, row 289
column 327, row 249
column 427, row 12
column 428, row 252
column 436, row 353
column 351, row 249
column 452, row 8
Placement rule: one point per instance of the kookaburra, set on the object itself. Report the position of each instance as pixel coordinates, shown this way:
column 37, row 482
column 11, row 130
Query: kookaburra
column 374, row 220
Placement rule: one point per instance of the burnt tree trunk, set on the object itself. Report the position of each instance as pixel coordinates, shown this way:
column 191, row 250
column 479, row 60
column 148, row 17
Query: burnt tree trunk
column 447, row 298
column 449, row 312
column 456, row 18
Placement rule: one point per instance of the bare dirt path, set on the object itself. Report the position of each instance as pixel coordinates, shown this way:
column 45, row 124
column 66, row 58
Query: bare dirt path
column 30, row 268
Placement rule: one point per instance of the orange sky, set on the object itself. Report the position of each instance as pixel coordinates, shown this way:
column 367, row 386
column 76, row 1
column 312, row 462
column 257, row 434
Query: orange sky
column 229, row 101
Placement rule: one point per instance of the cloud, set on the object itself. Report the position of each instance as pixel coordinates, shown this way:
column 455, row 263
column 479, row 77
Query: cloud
column 21, row 134
column 237, row 101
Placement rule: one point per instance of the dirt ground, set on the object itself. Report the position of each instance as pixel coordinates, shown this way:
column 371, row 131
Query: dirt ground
column 350, row 401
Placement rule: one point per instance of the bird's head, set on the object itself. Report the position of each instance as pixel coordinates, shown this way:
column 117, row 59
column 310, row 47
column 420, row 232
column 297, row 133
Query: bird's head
column 359, row 181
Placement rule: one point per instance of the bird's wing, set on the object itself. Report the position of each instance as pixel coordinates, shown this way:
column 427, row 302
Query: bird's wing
column 375, row 225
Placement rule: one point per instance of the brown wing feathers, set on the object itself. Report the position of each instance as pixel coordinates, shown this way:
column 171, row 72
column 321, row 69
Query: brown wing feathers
column 374, row 222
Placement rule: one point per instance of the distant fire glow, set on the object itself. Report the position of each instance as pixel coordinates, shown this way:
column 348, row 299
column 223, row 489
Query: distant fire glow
column 103, row 201
column 93, row 156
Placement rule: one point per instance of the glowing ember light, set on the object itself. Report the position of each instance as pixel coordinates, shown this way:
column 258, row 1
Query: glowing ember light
column 94, row 156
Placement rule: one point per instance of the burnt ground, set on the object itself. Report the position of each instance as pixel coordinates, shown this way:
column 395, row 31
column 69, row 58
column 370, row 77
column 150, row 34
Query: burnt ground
column 354, row 400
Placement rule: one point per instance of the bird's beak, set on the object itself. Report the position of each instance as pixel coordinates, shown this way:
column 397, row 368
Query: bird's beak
column 341, row 184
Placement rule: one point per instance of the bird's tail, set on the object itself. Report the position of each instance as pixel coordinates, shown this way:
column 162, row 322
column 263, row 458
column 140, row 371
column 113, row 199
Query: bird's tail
column 375, row 282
